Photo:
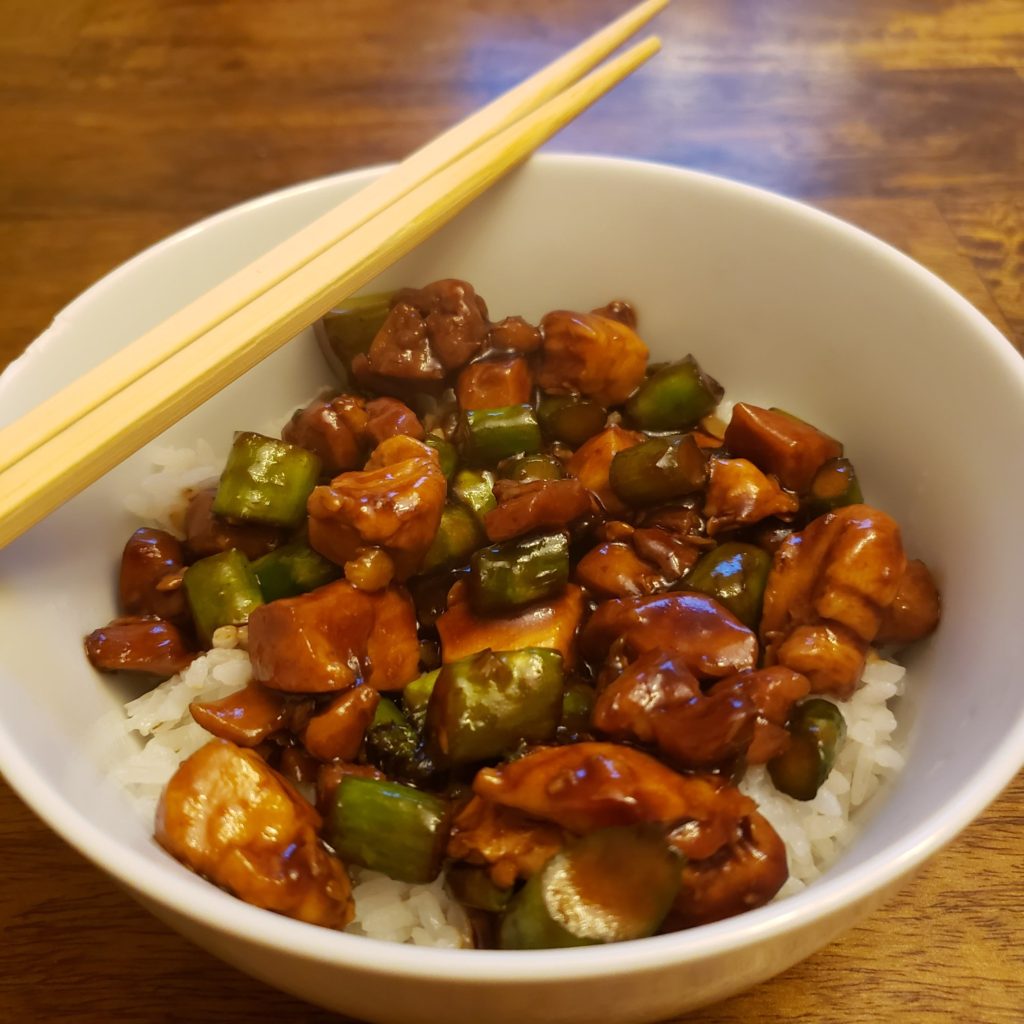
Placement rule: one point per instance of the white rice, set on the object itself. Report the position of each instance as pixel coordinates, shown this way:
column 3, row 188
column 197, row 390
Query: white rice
column 815, row 832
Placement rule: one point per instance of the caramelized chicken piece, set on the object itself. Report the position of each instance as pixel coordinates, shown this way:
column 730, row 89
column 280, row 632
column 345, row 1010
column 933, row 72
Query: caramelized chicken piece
column 151, row 573
column 537, row 505
column 614, row 569
column 511, row 844
column 297, row 765
column 591, row 355
column 781, row 444
column 618, row 309
column 336, row 734
column 246, row 717
column 494, row 382
column 551, row 623
column 746, row 874
column 229, row 817
column 773, row 692
column 587, row 786
column 394, row 504
column 845, row 568
column 388, row 417
column 828, row 654
column 138, row 644
column 333, row 637
column 333, row 430
column 208, row 534
column 430, row 331
column 516, row 334
column 591, row 463
column 711, row 641
column 739, row 493
column 915, row 610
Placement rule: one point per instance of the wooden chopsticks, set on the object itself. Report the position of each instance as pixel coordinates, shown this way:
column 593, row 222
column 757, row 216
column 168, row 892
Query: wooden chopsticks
column 66, row 443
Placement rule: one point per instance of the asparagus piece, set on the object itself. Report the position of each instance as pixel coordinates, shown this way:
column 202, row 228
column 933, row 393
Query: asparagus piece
column 817, row 731
column 266, row 481
column 485, row 705
column 611, row 885
column 674, row 397
column 735, row 575
column 486, row 436
column 570, row 419
column 658, row 470
column 222, row 590
column 390, row 828
column 293, row 569
column 517, row 572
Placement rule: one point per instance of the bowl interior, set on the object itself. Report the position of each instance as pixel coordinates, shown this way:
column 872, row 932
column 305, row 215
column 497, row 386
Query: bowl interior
column 783, row 305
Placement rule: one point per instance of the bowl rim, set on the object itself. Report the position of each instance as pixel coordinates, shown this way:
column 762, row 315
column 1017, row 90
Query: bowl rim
column 171, row 886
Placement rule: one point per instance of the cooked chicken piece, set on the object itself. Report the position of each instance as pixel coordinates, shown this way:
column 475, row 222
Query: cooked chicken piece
column 150, row 582
column 780, row 444
column 745, row 875
column 618, row 309
column 206, row 533
column 673, row 553
column 591, row 463
column 587, row 786
column 516, row 334
column 494, row 382
column 829, row 655
column 387, row 417
column 915, row 610
column 551, row 623
column 336, row 734
column 136, row 644
column 773, row 692
column 333, row 430
column 430, row 331
column 394, row 504
column 827, row 594
column 511, row 844
column 739, row 494
column 711, row 641
column 591, row 355
column 614, row 569
column 229, row 817
column 333, row 637
column 537, row 505
column 246, row 717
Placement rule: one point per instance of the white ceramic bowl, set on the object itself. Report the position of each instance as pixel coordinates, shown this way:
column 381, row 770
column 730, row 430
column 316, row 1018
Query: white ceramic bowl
column 785, row 306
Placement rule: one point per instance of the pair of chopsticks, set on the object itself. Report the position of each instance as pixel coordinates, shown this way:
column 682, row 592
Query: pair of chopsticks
column 69, row 441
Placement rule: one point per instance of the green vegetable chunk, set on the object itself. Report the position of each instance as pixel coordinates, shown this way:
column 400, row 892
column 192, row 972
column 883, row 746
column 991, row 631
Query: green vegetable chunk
column 472, row 887
column 735, row 575
column 674, row 397
column 608, row 886
column 349, row 330
column 475, row 489
column 577, row 707
column 833, row 486
column 293, row 569
column 416, row 695
column 817, row 731
column 387, row 713
column 222, row 590
column 458, row 535
column 527, row 468
column 388, row 827
column 445, row 452
column 570, row 419
column 484, row 705
column 658, row 470
column 266, row 481
column 516, row 572
column 486, row 436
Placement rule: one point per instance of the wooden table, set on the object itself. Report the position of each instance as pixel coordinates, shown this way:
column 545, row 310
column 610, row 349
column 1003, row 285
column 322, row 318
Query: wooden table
column 124, row 120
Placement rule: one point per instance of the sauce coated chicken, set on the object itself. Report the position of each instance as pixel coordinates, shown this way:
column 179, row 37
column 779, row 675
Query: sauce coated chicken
column 520, row 608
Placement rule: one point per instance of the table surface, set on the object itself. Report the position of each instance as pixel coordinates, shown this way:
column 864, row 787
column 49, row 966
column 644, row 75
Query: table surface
column 124, row 120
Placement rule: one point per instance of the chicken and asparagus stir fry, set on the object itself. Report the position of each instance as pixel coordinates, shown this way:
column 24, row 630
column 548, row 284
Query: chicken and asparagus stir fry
column 519, row 607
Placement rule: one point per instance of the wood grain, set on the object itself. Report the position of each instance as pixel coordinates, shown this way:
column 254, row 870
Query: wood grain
column 124, row 120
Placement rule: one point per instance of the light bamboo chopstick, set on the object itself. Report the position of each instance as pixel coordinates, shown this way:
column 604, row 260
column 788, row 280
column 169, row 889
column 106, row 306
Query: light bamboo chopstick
column 173, row 334
column 62, row 466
